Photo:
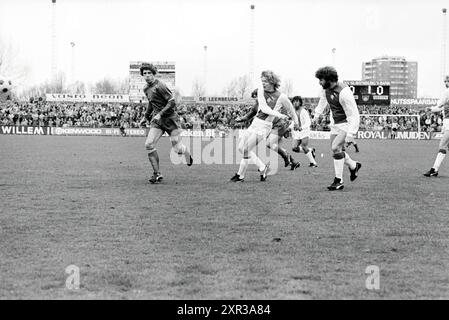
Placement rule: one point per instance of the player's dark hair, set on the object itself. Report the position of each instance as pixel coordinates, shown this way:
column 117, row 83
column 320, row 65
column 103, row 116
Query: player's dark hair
column 272, row 78
column 148, row 66
column 327, row 73
column 254, row 94
column 297, row 98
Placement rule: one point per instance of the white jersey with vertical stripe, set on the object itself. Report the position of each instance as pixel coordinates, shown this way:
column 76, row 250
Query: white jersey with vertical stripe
column 277, row 101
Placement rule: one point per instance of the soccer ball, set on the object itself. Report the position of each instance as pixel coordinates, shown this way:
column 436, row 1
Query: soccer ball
column 5, row 89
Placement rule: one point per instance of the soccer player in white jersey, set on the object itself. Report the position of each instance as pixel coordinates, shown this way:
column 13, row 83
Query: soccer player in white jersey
column 443, row 105
column 272, row 104
column 345, row 119
column 281, row 128
column 301, row 136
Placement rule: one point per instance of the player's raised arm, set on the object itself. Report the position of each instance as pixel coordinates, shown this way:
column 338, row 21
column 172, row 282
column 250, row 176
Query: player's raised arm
column 352, row 112
column 286, row 102
column 440, row 104
column 263, row 106
column 322, row 104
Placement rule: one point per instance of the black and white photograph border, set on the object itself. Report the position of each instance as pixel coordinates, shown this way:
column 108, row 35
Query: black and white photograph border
column 219, row 150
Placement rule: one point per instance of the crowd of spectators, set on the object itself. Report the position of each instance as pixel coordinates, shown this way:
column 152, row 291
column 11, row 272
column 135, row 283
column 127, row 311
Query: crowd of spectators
column 194, row 116
column 52, row 114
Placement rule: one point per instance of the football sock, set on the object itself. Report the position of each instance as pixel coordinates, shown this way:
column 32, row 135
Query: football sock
column 310, row 157
column 440, row 157
column 339, row 163
column 349, row 162
column 283, row 153
column 187, row 156
column 243, row 166
column 154, row 160
column 256, row 160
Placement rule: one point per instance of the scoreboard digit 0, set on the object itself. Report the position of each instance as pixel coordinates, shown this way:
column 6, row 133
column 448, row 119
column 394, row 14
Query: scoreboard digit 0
column 370, row 92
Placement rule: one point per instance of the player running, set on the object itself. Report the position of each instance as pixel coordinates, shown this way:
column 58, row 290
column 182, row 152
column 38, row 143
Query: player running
column 279, row 130
column 162, row 117
column 442, row 105
column 301, row 137
column 345, row 119
column 271, row 104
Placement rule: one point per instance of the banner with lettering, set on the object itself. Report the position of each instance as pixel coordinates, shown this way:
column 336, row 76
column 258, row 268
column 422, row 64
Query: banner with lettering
column 99, row 98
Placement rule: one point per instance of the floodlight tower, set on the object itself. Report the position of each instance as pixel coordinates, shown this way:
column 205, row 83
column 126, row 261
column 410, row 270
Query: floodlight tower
column 251, row 47
column 205, row 68
column 72, row 44
column 54, row 62
column 334, row 50
column 443, row 50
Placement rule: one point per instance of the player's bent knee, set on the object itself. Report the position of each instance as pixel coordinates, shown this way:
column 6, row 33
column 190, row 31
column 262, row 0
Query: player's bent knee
column 336, row 149
column 339, row 155
column 150, row 147
column 151, row 150
column 180, row 148
column 243, row 147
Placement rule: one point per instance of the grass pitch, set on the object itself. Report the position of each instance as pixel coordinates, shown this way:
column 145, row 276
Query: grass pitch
column 86, row 201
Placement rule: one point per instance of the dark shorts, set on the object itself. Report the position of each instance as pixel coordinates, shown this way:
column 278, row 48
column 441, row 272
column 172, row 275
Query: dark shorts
column 280, row 128
column 167, row 124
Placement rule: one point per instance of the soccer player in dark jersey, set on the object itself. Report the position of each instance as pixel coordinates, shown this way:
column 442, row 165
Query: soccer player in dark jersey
column 279, row 130
column 442, row 106
column 345, row 120
column 162, row 116
column 272, row 104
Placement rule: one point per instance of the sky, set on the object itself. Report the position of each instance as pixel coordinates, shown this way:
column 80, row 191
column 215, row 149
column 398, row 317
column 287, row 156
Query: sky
column 292, row 38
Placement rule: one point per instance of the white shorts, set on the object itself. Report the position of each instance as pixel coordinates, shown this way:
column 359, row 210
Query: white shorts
column 299, row 135
column 445, row 125
column 338, row 128
column 260, row 127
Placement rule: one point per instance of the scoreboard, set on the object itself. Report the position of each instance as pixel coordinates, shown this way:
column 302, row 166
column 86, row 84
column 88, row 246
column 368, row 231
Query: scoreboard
column 370, row 92
column 166, row 71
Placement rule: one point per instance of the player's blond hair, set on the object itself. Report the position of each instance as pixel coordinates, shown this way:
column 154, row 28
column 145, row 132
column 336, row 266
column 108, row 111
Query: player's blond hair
column 272, row 78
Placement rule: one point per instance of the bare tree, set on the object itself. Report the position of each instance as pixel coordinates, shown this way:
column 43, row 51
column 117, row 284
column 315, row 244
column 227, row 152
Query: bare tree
column 238, row 87
column 57, row 85
column 198, row 88
column 231, row 89
column 104, row 86
column 177, row 94
column 120, row 85
column 10, row 65
column 79, row 87
column 243, row 89
column 287, row 87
